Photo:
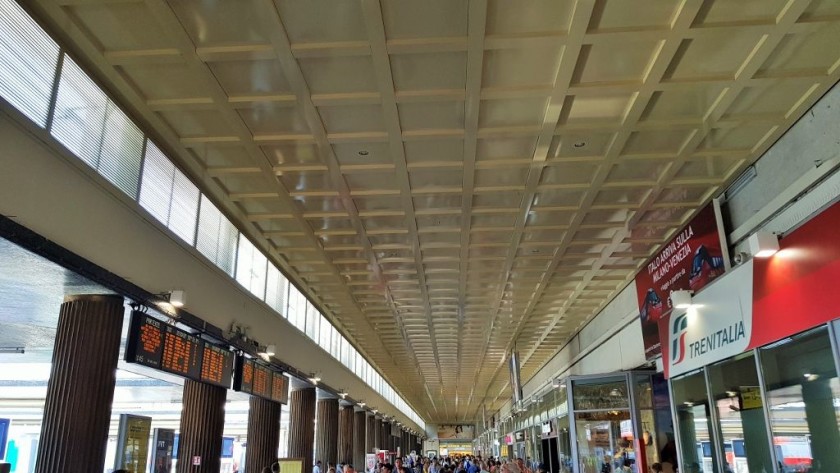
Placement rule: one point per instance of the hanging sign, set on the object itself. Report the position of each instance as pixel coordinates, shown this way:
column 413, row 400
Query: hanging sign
column 692, row 259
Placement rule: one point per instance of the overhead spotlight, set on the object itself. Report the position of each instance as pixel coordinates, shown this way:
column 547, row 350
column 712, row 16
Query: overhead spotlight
column 374, row 411
column 732, row 393
column 270, row 350
column 556, row 383
column 362, row 404
column 681, row 299
column 176, row 298
column 315, row 378
column 811, row 376
column 763, row 244
column 342, row 394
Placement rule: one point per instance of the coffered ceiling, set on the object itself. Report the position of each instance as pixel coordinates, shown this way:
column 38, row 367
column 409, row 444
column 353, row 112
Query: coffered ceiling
column 451, row 178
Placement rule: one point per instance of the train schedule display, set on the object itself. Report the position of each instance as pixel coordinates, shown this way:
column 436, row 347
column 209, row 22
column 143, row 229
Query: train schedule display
column 161, row 346
column 260, row 380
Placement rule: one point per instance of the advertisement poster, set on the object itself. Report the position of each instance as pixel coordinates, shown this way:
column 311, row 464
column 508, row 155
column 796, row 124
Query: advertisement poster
column 692, row 259
column 370, row 462
column 163, row 450
column 133, row 443
column 447, row 432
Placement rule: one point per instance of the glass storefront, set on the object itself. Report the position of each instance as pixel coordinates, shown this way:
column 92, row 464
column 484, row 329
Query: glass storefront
column 774, row 409
column 589, row 423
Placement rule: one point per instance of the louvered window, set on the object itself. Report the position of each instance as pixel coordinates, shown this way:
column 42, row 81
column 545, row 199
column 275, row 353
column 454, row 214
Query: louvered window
column 168, row 194
column 28, row 58
column 313, row 322
column 251, row 267
column 276, row 290
column 216, row 236
column 121, row 151
column 79, row 113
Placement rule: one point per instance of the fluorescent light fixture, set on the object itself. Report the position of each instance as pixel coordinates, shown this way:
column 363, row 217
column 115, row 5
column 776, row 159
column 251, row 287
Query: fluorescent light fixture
column 681, row 299
column 763, row 244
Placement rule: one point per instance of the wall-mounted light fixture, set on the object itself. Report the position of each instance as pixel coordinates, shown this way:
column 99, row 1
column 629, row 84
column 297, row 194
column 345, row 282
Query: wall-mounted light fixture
column 763, row 244
column 681, row 299
column 315, row 378
column 176, row 297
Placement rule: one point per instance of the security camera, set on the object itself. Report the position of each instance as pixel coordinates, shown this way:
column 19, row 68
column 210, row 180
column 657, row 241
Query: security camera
column 740, row 257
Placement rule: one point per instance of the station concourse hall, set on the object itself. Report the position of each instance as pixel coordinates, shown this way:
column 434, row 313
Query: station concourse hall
column 419, row 236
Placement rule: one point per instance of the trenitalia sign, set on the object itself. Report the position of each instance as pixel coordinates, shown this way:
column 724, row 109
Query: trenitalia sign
column 759, row 302
column 719, row 326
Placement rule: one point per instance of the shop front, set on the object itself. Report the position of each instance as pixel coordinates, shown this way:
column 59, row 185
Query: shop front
column 753, row 363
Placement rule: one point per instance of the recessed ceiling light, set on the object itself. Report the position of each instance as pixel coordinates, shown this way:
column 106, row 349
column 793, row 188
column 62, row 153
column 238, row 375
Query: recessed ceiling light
column 579, row 144
column 364, row 152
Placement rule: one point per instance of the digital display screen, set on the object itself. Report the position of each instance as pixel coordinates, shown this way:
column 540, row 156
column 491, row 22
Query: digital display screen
column 161, row 346
column 279, row 388
column 181, row 353
column 260, row 380
column 216, row 366
column 145, row 340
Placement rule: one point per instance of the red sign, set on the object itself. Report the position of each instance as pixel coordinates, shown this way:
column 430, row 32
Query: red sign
column 794, row 290
column 690, row 260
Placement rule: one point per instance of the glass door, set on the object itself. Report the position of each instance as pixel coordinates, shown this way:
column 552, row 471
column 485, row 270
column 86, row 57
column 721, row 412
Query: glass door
column 699, row 453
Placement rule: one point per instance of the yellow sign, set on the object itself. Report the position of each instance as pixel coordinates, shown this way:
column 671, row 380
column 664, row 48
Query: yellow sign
column 291, row 465
column 750, row 397
column 133, row 443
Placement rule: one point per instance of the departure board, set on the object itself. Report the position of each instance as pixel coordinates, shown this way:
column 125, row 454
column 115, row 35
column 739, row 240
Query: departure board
column 279, row 388
column 260, row 380
column 243, row 379
column 159, row 345
column 216, row 366
column 145, row 340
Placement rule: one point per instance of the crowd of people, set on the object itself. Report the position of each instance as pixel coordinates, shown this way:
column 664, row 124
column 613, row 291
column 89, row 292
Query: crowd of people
column 438, row 464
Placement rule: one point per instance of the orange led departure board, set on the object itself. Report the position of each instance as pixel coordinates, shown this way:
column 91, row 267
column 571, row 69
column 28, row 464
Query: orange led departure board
column 260, row 380
column 279, row 388
column 159, row 345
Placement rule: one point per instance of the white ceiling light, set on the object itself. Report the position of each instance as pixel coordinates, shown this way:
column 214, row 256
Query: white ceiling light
column 763, row 244
column 315, row 378
column 270, row 350
column 175, row 298
column 681, row 299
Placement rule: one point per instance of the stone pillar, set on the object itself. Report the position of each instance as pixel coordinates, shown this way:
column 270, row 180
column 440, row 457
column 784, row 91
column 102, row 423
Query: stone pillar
column 345, row 435
column 202, row 426
column 302, row 426
column 326, row 431
column 359, row 439
column 263, row 434
column 377, row 434
column 77, row 409
column 384, row 432
column 370, row 433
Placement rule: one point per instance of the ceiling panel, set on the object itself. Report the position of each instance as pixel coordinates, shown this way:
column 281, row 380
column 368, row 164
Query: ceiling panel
column 466, row 164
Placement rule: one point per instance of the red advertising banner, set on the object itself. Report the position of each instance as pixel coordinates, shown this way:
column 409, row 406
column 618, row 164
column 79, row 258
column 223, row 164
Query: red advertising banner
column 796, row 289
column 690, row 260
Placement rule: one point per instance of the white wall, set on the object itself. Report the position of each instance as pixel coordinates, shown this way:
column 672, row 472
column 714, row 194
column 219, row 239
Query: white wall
column 60, row 198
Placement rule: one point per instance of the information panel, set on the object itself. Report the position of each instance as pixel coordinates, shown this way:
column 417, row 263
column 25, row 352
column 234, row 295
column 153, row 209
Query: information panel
column 217, row 366
column 161, row 346
column 260, row 380
column 279, row 388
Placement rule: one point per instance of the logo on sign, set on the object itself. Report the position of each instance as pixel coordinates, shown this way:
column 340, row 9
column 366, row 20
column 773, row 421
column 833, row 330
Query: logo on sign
column 196, row 461
column 678, row 330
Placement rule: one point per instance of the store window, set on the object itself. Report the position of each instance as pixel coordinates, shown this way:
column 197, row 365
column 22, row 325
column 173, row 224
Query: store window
column 603, row 424
column 699, row 453
column 803, row 395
